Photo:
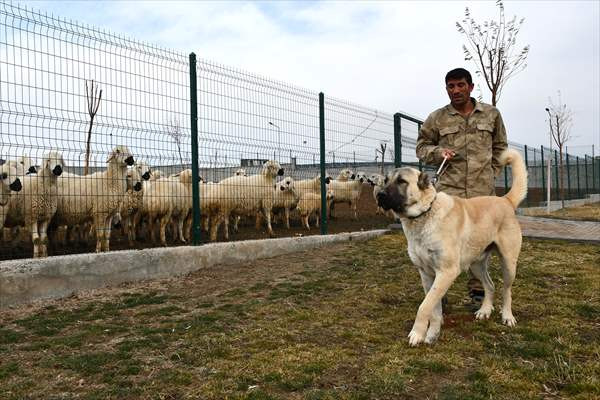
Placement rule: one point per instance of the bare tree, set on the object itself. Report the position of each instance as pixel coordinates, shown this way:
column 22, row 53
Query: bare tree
column 93, row 102
column 560, row 119
column 491, row 46
column 381, row 151
column 174, row 130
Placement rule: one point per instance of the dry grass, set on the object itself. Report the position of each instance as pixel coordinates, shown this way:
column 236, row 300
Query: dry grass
column 588, row 212
column 327, row 324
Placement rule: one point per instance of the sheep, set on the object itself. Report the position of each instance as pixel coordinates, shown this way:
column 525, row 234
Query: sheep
column 131, row 209
column 168, row 198
column 241, row 195
column 285, row 198
column 312, row 185
column 96, row 197
column 35, row 205
column 309, row 204
column 9, row 182
column 346, row 192
column 345, row 174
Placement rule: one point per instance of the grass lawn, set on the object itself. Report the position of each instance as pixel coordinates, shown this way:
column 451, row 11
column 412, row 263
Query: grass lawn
column 331, row 323
column 588, row 212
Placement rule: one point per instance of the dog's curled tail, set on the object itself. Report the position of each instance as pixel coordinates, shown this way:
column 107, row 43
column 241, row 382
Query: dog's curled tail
column 518, row 190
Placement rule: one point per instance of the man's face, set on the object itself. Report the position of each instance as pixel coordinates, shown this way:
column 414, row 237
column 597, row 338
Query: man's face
column 459, row 92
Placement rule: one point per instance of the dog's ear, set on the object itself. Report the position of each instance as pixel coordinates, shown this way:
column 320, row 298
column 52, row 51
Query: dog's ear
column 423, row 182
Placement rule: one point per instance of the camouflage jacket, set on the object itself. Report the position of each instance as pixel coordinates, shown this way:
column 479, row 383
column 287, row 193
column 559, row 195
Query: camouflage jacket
column 478, row 140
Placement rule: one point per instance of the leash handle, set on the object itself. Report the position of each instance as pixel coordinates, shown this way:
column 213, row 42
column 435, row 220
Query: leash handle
column 436, row 177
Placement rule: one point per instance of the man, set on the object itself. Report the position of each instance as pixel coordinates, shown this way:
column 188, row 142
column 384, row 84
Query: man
column 471, row 135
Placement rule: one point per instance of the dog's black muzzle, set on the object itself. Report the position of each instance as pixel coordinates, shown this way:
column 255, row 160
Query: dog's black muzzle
column 146, row 175
column 57, row 170
column 16, row 185
column 389, row 201
column 129, row 161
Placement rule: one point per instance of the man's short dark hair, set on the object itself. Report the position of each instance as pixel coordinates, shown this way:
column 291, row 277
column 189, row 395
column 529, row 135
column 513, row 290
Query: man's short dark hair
column 458, row 74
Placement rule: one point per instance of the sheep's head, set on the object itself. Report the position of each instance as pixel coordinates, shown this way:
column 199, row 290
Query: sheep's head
column 9, row 179
column 272, row 168
column 345, row 174
column 240, row 172
column 121, row 156
column 185, row 177
column 144, row 170
column 54, row 163
column 28, row 164
column 134, row 180
column 361, row 176
column 156, row 174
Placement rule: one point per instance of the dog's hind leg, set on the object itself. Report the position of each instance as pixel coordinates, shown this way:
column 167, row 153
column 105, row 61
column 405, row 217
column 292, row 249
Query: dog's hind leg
column 480, row 270
column 443, row 280
column 436, row 320
column 509, row 253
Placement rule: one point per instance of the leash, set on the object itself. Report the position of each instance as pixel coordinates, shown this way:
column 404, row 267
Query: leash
column 440, row 171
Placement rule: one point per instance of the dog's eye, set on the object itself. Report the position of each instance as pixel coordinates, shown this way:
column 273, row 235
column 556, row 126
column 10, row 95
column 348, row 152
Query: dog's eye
column 400, row 181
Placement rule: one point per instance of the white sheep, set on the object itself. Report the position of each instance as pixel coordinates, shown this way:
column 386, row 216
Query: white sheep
column 35, row 205
column 241, row 195
column 345, row 192
column 345, row 175
column 96, row 197
column 312, row 185
column 240, row 172
column 285, row 199
column 131, row 209
column 310, row 204
column 9, row 182
column 168, row 198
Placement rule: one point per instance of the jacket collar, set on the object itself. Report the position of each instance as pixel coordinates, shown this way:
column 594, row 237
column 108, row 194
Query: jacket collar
column 452, row 110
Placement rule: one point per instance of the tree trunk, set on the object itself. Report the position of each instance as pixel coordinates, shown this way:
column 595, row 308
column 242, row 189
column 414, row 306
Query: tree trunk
column 87, row 147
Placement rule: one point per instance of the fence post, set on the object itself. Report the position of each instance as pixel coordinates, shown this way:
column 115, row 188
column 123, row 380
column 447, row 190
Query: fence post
column 587, row 180
column 526, row 169
column 194, row 138
column 543, row 173
column 397, row 140
column 568, row 177
column 322, row 150
column 558, row 188
column 578, row 181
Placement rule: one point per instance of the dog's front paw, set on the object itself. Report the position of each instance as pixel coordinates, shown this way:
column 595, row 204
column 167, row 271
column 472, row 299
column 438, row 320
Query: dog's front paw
column 509, row 320
column 484, row 312
column 415, row 338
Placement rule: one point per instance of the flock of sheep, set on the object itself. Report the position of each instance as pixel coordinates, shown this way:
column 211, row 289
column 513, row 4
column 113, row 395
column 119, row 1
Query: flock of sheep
column 143, row 201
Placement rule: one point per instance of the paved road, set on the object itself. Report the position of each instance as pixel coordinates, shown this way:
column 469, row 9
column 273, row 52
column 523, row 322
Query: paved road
column 550, row 228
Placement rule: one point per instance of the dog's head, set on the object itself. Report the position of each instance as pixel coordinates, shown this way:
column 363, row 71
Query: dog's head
column 406, row 191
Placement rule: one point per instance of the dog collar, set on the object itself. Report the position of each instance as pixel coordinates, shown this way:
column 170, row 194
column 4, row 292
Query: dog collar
column 426, row 211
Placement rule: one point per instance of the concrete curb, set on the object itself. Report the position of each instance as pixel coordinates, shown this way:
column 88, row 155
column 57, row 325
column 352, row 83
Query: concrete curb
column 24, row 281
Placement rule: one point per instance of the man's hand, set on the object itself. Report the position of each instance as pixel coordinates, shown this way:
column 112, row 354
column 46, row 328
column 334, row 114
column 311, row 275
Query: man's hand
column 447, row 153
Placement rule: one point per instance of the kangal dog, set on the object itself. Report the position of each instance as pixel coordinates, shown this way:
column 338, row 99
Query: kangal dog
column 447, row 235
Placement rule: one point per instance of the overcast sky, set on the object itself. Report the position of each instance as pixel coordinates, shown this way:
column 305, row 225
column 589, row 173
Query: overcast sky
column 390, row 56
